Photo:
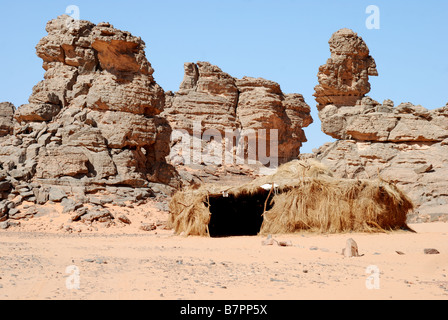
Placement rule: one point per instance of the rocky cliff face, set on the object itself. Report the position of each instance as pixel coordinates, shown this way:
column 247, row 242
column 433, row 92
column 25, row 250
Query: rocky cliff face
column 214, row 100
column 93, row 123
column 406, row 144
column 206, row 95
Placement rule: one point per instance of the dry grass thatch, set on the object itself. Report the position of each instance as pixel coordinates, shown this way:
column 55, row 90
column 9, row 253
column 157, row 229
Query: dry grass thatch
column 306, row 198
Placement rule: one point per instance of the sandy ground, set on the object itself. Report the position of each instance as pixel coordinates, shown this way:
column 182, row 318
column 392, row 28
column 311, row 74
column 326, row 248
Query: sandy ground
column 158, row 265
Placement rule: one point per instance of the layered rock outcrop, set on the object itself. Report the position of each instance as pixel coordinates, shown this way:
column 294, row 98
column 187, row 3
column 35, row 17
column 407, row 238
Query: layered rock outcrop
column 215, row 101
column 344, row 79
column 372, row 121
column 207, row 96
column 406, row 144
column 94, row 121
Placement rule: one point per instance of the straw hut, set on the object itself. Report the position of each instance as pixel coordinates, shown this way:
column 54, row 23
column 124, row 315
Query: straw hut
column 302, row 196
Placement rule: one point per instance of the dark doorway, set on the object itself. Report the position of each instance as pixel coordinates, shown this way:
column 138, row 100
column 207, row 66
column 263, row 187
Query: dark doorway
column 237, row 216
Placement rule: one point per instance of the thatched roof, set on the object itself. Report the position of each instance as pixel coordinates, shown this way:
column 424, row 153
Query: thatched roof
column 305, row 197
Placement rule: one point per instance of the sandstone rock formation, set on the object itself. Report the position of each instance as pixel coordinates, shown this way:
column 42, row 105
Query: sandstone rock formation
column 7, row 110
column 344, row 79
column 406, row 144
column 372, row 121
column 93, row 123
column 216, row 101
column 207, row 96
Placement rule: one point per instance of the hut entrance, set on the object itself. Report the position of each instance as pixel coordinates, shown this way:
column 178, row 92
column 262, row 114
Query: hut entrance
column 240, row 215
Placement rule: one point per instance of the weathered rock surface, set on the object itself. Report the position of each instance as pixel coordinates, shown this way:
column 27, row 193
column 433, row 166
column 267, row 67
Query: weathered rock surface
column 344, row 79
column 406, row 144
column 104, row 103
column 263, row 106
column 6, row 118
column 351, row 249
column 210, row 101
column 206, row 96
column 93, row 124
column 372, row 121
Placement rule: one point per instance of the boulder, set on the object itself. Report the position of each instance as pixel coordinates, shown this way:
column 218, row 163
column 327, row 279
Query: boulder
column 93, row 215
column 62, row 161
column 56, row 194
column 344, row 79
column 36, row 112
column 351, row 249
column 7, row 111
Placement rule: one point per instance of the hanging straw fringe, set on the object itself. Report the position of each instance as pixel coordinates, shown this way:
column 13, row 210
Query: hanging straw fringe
column 308, row 199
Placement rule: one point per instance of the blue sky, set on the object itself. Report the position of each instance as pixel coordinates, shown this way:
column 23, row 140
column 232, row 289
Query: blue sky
column 284, row 40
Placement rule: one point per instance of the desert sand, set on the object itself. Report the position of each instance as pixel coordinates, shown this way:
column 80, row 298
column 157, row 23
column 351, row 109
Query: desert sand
column 127, row 263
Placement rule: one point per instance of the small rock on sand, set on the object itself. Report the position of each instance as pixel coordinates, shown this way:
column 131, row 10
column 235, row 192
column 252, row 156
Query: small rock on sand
column 351, row 249
column 431, row 251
